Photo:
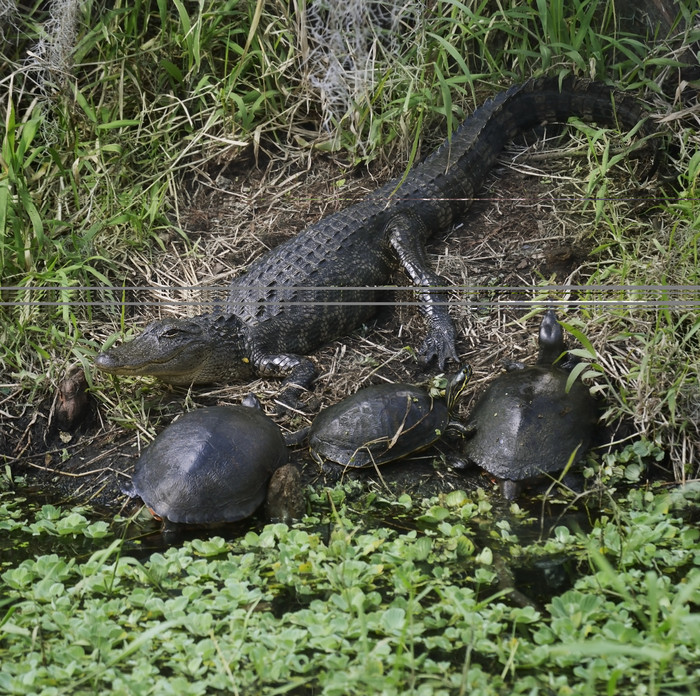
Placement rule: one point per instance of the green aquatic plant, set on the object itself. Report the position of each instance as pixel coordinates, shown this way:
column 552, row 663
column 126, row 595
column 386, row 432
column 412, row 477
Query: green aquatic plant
column 425, row 605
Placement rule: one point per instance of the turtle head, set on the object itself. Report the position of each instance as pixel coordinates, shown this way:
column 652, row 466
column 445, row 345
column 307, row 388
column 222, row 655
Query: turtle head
column 456, row 385
column 551, row 339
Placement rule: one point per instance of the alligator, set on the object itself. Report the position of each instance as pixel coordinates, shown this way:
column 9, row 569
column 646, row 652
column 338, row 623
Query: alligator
column 325, row 282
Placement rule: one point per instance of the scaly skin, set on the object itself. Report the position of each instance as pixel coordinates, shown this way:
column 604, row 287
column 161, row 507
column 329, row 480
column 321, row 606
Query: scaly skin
column 322, row 283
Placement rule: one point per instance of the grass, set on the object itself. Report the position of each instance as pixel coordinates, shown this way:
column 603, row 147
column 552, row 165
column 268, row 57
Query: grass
column 100, row 169
column 74, row 201
column 93, row 159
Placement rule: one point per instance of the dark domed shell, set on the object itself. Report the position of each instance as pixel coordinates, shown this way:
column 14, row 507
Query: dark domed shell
column 377, row 425
column 211, row 465
column 526, row 423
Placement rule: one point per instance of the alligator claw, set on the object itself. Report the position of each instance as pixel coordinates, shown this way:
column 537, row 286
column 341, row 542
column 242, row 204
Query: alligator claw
column 289, row 399
column 437, row 348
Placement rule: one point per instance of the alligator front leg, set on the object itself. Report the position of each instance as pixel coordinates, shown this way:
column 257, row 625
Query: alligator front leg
column 298, row 373
column 407, row 233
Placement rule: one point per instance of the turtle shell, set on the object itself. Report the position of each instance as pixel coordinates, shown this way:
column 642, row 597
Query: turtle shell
column 211, row 465
column 378, row 424
column 526, row 423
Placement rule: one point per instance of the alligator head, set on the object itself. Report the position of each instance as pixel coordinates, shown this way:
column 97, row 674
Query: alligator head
column 197, row 350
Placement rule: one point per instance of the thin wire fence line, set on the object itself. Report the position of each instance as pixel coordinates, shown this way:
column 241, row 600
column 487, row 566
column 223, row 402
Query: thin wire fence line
column 371, row 198
column 649, row 304
column 215, row 298
column 408, row 288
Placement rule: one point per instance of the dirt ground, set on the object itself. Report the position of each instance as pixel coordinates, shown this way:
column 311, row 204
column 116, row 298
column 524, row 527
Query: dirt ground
column 529, row 227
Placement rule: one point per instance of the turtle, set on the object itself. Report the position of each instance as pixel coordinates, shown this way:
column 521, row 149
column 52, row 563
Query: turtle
column 526, row 423
column 384, row 422
column 211, row 465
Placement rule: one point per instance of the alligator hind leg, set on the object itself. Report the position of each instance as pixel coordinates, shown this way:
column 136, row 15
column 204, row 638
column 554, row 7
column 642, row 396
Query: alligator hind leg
column 407, row 233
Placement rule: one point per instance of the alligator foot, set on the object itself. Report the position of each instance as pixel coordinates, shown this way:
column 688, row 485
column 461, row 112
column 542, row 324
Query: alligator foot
column 298, row 372
column 289, row 399
column 438, row 346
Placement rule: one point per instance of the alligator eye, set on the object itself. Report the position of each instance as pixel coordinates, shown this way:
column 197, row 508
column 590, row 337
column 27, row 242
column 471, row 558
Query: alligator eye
column 170, row 333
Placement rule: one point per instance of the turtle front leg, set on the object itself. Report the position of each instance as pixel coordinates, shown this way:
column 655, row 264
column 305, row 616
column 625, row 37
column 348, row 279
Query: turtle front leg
column 407, row 233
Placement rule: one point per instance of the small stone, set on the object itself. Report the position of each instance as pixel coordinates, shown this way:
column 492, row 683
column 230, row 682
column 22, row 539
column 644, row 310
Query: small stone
column 73, row 400
column 285, row 495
